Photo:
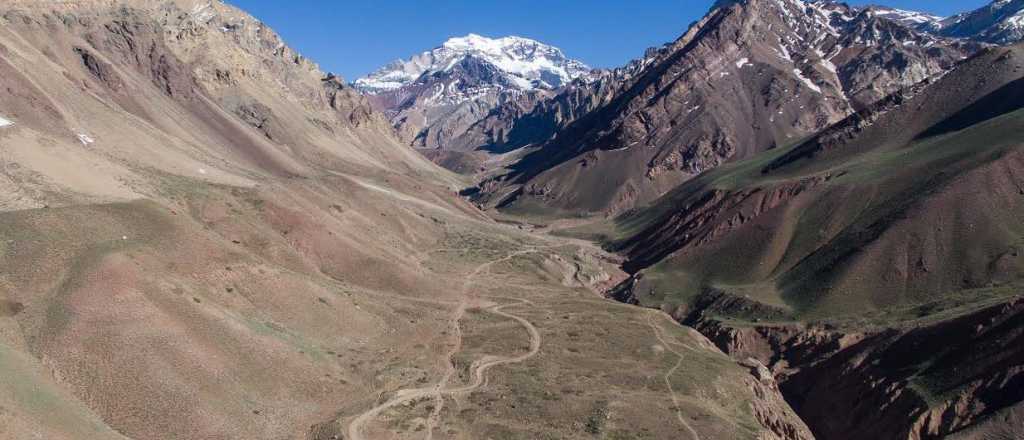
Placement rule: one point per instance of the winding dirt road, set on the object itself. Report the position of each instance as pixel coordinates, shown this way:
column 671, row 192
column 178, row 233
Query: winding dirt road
column 450, row 371
column 478, row 368
column 669, row 373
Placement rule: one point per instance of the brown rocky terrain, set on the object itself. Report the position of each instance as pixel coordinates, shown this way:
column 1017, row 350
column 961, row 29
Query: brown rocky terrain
column 220, row 94
column 202, row 235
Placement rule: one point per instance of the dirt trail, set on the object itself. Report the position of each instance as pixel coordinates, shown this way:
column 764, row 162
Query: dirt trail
column 478, row 368
column 669, row 373
column 450, row 371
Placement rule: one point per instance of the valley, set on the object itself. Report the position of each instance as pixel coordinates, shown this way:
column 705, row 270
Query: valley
column 800, row 220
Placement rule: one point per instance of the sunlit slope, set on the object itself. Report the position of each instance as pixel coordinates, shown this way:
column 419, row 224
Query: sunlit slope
column 105, row 95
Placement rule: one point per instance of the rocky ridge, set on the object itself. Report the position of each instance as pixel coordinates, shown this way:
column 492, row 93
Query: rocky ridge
column 1001, row 22
column 751, row 76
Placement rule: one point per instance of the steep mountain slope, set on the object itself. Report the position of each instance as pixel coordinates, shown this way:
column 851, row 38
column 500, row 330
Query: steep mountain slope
column 435, row 96
column 204, row 236
column 1001, row 22
column 751, row 76
column 207, row 93
column 898, row 227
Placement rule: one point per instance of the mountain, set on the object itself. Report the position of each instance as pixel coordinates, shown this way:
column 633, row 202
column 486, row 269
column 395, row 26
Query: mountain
column 437, row 95
column 203, row 235
column 524, row 63
column 875, row 267
column 750, row 76
column 514, row 128
column 212, row 95
column 1000, row 22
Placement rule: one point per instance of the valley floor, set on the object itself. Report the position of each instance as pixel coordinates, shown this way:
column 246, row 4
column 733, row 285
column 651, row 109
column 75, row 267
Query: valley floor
column 339, row 308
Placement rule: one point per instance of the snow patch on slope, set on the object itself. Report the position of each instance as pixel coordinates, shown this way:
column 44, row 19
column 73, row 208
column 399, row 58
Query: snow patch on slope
column 1015, row 21
column 807, row 81
column 5, row 122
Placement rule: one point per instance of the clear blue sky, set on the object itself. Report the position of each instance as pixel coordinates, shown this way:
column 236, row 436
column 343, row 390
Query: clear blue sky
column 355, row 37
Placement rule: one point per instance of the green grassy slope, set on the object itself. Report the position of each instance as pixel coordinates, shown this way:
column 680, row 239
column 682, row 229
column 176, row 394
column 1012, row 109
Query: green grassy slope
column 904, row 204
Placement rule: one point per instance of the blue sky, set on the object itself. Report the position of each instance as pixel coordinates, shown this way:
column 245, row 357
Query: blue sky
column 355, row 37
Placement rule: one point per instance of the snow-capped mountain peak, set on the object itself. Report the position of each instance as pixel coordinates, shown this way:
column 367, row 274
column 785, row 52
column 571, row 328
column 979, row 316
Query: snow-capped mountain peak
column 436, row 96
column 527, row 63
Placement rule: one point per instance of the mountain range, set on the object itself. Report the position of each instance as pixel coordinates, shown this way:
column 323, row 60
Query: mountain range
column 843, row 58
column 434, row 97
column 749, row 77
column 799, row 220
